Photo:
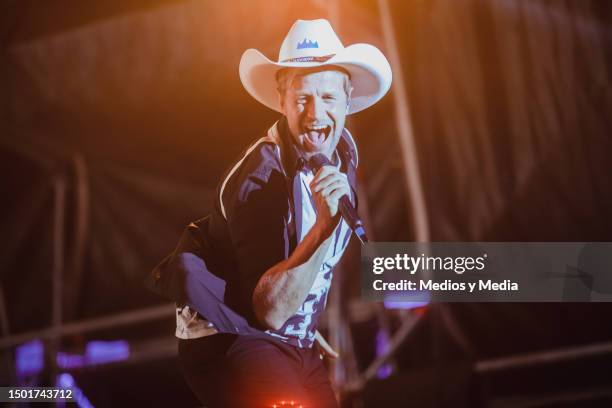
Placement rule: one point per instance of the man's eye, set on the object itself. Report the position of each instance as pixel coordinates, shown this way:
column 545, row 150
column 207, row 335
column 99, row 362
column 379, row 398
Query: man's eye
column 329, row 98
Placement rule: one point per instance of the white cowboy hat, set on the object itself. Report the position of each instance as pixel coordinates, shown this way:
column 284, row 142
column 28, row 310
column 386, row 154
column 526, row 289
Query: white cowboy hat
column 313, row 44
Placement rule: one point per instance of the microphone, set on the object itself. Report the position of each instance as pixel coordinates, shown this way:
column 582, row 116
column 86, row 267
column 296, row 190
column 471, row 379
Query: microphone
column 345, row 207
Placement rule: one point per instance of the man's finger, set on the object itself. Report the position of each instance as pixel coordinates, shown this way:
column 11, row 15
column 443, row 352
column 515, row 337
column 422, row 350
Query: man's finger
column 334, row 185
column 317, row 185
column 324, row 171
column 327, row 181
column 327, row 171
column 336, row 195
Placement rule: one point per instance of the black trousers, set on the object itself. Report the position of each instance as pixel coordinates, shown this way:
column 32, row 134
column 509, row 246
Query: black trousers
column 225, row 370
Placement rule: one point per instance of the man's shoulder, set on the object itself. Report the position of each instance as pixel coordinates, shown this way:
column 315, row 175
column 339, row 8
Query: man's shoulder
column 260, row 160
column 258, row 168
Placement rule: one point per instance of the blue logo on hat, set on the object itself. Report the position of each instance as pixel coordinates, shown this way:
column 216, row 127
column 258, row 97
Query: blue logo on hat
column 307, row 44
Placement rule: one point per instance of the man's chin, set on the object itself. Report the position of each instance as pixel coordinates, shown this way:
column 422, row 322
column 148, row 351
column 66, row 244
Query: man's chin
column 312, row 147
column 310, row 150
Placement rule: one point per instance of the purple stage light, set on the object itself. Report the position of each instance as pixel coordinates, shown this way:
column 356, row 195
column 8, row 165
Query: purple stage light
column 96, row 352
column 70, row 361
column 66, row 381
column 382, row 344
column 101, row 352
column 394, row 304
column 30, row 358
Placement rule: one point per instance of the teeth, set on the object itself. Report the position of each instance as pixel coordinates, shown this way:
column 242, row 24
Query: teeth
column 317, row 127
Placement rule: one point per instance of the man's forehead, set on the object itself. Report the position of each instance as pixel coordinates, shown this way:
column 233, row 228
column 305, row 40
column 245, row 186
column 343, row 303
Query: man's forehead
column 330, row 77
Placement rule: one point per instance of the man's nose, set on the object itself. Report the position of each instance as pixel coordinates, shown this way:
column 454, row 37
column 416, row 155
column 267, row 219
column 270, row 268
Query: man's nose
column 316, row 109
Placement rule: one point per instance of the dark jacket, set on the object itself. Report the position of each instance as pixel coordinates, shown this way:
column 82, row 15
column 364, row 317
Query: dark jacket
column 220, row 258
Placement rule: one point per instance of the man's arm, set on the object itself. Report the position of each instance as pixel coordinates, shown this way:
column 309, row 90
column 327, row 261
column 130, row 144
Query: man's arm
column 283, row 288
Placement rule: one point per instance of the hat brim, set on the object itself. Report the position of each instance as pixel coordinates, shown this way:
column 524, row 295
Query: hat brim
column 369, row 70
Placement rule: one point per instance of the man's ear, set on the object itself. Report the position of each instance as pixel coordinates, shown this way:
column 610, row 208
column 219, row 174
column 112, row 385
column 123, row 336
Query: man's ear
column 281, row 101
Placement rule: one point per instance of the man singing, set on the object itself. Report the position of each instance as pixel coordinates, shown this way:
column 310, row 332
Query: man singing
column 251, row 280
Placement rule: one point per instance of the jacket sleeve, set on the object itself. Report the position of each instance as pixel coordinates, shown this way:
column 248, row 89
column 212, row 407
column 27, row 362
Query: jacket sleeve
column 256, row 207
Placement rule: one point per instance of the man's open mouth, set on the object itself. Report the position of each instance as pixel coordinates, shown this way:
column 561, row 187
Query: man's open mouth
column 317, row 134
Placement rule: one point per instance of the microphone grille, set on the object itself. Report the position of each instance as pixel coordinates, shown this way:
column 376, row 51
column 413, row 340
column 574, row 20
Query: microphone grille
column 317, row 161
